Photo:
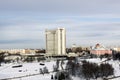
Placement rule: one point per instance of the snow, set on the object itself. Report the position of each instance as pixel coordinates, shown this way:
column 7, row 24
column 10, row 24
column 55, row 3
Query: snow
column 6, row 70
column 27, row 69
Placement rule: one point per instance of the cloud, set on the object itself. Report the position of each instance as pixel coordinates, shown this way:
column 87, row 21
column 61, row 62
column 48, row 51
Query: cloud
column 23, row 22
column 34, row 31
column 78, row 7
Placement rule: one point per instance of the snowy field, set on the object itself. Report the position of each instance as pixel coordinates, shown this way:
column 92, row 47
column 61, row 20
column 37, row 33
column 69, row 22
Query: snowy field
column 30, row 71
column 6, row 71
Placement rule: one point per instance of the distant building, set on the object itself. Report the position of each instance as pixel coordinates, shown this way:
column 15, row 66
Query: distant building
column 56, row 42
column 74, row 48
column 13, row 51
column 18, row 51
column 100, row 50
column 117, row 49
column 30, row 51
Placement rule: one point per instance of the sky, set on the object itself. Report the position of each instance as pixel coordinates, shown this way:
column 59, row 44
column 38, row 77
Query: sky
column 87, row 22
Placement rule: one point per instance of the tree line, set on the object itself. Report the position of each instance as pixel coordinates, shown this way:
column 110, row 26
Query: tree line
column 89, row 70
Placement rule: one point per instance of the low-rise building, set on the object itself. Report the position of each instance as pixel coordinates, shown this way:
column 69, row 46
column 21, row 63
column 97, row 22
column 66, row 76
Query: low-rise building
column 117, row 49
column 100, row 50
column 18, row 51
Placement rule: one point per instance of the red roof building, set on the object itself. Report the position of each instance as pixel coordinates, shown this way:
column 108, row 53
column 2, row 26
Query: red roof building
column 100, row 50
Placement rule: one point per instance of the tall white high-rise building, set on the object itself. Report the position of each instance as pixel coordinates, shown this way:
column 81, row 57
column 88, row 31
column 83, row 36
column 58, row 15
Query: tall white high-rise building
column 56, row 41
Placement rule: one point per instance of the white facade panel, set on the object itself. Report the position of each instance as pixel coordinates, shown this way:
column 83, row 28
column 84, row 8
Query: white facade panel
column 56, row 41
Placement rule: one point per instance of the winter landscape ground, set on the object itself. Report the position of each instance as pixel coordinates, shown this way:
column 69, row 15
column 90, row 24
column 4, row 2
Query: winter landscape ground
column 30, row 71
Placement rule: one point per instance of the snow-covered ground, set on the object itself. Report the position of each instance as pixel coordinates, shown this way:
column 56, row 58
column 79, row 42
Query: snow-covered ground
column 6, row 70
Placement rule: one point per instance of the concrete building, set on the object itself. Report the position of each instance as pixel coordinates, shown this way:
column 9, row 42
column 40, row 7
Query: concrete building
column 56, row 42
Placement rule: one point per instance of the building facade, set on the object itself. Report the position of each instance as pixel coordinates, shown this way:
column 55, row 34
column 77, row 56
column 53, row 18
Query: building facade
column 13, row 51
column 18, row 51
column 56, row 41
column 100, row 50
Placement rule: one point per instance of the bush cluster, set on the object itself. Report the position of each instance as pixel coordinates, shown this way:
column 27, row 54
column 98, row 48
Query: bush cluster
column 93, row 70
column 116, row 55
column 89, row 70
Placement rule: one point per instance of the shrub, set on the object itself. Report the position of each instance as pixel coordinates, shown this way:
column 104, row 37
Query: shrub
column 106, row 70
column 92, row 70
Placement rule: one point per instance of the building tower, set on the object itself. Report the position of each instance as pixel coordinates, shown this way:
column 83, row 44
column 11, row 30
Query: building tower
column 56, row 41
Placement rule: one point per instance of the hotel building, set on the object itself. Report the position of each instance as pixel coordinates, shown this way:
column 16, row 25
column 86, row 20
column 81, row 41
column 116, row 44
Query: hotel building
column 56, row 42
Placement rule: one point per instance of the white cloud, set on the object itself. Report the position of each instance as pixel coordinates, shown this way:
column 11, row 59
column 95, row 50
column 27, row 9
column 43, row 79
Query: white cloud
column 80, row 7
column 23, row 22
